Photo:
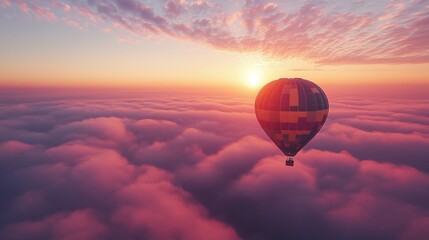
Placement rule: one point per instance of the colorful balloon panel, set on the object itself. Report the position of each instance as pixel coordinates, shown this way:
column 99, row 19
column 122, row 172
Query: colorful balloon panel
column 291, row 111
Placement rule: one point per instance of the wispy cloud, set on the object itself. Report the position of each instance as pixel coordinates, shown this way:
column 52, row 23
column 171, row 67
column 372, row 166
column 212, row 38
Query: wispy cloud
column 360, row 32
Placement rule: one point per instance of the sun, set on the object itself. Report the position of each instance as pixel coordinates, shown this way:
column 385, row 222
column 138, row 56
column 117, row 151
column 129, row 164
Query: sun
column 253, row 79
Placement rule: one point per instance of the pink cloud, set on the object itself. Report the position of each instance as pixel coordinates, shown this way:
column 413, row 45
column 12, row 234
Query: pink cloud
column 377, row 129
column 167, row 166
column 386, row 125
column 23, row 6
column 5, row 3
column 106, row 172
column 80, row 224
column 44, row 12
column 29, row 203
column 190, row 146
column 313, row 30
column 167, row 212
column 27, row 229
column 14, row 147
column 350, row 135
column 418, row 229
column 230, row 162
column 72, row 153
column 160, row 129
column 86, row 12
column 66, row 7
column 72, row 23
column 111, row 129
column 367, row 192
column 38, row 9
column 174, row 7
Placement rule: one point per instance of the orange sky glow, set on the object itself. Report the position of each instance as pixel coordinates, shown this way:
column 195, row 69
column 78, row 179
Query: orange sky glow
column 48, row 49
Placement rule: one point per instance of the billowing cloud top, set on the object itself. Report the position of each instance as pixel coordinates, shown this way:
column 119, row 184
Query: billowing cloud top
column 168, row 166
column 326, row 32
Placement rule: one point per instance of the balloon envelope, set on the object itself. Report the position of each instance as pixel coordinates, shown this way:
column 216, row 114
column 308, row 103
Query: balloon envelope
column 291, row 111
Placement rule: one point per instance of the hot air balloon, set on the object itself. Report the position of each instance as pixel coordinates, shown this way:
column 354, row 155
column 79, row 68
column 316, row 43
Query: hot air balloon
column 291, row 111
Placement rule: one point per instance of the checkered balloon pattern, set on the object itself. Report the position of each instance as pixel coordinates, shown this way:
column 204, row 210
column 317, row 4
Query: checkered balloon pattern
column 291, row 111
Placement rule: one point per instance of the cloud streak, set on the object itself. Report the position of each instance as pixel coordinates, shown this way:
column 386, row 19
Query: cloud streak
column 359, row 32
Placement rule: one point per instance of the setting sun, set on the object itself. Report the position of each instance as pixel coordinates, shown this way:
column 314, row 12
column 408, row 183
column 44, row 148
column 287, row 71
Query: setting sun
column 253, row 79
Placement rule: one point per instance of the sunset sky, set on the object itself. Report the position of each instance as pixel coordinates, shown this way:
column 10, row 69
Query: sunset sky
column 176, row 43
column 135, row 119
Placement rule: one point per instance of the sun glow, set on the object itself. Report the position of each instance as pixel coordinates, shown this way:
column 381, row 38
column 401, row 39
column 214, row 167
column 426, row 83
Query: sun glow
column 253, row 79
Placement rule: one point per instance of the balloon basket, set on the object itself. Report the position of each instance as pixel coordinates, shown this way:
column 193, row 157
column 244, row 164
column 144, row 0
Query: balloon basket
column 289, row 162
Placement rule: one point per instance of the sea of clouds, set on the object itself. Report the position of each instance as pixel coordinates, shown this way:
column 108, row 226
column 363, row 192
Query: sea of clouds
column 176, row 166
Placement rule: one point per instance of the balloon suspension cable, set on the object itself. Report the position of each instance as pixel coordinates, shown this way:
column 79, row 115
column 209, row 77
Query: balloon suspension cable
column 289, row 161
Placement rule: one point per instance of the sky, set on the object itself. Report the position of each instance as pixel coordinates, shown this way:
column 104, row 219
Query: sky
column 178, row 43
column 134, row 119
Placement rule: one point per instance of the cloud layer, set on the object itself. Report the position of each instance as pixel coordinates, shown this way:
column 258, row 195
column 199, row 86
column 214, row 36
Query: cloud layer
column 390, row 31
column 165, row 166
